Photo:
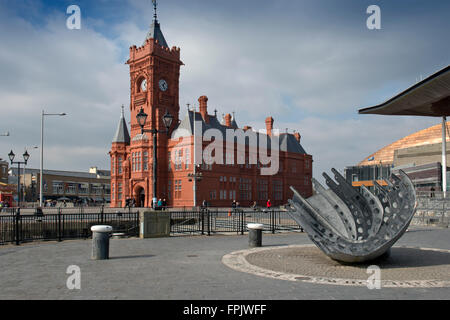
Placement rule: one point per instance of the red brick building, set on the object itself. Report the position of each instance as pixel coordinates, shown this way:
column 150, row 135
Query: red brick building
column 154, row 85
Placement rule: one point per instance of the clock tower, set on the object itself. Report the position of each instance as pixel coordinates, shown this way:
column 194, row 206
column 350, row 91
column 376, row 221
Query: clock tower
column 154, row 87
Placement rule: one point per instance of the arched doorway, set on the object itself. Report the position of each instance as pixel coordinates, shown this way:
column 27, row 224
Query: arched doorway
column 139, row 196
column 142, row 198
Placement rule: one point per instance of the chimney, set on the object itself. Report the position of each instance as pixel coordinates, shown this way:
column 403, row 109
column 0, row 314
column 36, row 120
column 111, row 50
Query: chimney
column 228, row 120
column 269, row 126
column 297, row 136
column 203, row 102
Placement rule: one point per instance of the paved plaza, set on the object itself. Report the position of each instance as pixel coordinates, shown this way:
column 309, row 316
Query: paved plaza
column 191, row 267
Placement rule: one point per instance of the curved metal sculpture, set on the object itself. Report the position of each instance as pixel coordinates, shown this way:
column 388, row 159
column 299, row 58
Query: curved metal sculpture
column 352, row 226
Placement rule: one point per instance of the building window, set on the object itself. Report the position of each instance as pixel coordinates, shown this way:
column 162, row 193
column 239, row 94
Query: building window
column 119, row 191
column 277, row 189
column 262, row 189
column 177, row 189
column 178, row 159
column 139, row 161
column 307, row 178
column 245, row 189
column 120, row 165
column 212, row 194
column 145, row 161
column 113, row 163
column 71, row 188
column 58, row 187
column 96, row 188
column 112, row 191
column 188, row 158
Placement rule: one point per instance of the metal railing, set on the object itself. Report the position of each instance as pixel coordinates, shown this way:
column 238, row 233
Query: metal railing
column 19, row 226
column 63, row 224
column 209, row 221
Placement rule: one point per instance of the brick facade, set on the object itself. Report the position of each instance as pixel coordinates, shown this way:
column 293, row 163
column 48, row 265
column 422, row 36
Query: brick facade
column 151, row 67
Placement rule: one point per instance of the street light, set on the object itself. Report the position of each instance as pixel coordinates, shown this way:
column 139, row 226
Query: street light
column 42, row 151
column 11, row 156
column 24, row 172
column 167, row 120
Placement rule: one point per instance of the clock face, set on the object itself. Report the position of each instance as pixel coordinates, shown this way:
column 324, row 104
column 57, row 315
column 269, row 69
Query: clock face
column 144, row 85
column 163, row 85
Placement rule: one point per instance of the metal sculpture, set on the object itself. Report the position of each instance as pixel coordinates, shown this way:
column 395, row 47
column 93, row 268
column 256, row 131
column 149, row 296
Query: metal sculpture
column 352, row 226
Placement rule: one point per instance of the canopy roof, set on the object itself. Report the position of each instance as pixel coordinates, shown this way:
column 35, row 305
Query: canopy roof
column 430, row 97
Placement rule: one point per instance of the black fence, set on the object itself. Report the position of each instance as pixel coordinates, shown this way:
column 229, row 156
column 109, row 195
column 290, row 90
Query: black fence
column 212, row 221
column 18, row 228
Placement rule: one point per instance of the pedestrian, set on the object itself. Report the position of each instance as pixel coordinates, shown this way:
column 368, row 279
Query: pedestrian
column 269, row 204
column 233, row 204
column 254, row 205
column 204, row 204
column 432, row 192
column 164, row 203
column 159, row 205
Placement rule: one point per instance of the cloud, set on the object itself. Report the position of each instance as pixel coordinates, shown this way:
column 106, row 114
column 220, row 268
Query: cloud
column 309, row 64
column 59, row 70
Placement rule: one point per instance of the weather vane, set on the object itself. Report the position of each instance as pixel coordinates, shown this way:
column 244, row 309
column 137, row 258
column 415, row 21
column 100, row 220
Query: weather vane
column 155, row 4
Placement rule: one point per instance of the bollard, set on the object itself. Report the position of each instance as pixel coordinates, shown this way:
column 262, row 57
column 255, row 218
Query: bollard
column 255, row 234
column 100, row 242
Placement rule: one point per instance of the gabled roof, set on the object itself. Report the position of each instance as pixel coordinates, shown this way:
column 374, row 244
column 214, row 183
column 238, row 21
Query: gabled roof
column 156, row 33
column 185, row 128
column 122, row 135
column 290, row 144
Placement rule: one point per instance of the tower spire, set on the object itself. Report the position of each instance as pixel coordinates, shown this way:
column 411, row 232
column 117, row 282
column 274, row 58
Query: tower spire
column 155, row 30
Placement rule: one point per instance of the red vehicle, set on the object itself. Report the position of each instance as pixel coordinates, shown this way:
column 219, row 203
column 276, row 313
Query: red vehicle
column 6, row 198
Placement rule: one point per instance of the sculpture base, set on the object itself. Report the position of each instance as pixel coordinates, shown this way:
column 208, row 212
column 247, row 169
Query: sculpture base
column 404, row 267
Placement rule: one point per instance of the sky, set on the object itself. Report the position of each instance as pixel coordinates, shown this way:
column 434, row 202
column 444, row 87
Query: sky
column 309, row 64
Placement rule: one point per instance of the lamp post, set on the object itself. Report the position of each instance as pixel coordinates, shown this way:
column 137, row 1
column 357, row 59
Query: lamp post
column 11, row 156
column 24, row 172
column 41, row 178
column 141, row 119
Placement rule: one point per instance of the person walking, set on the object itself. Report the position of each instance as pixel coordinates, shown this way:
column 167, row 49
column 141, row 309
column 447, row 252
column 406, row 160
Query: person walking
column 159, row 205
column 269, row 204
column 164, row 203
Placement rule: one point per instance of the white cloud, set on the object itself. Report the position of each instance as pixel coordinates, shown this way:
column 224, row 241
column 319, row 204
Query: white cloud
column 74, row 71
column 308, row 76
